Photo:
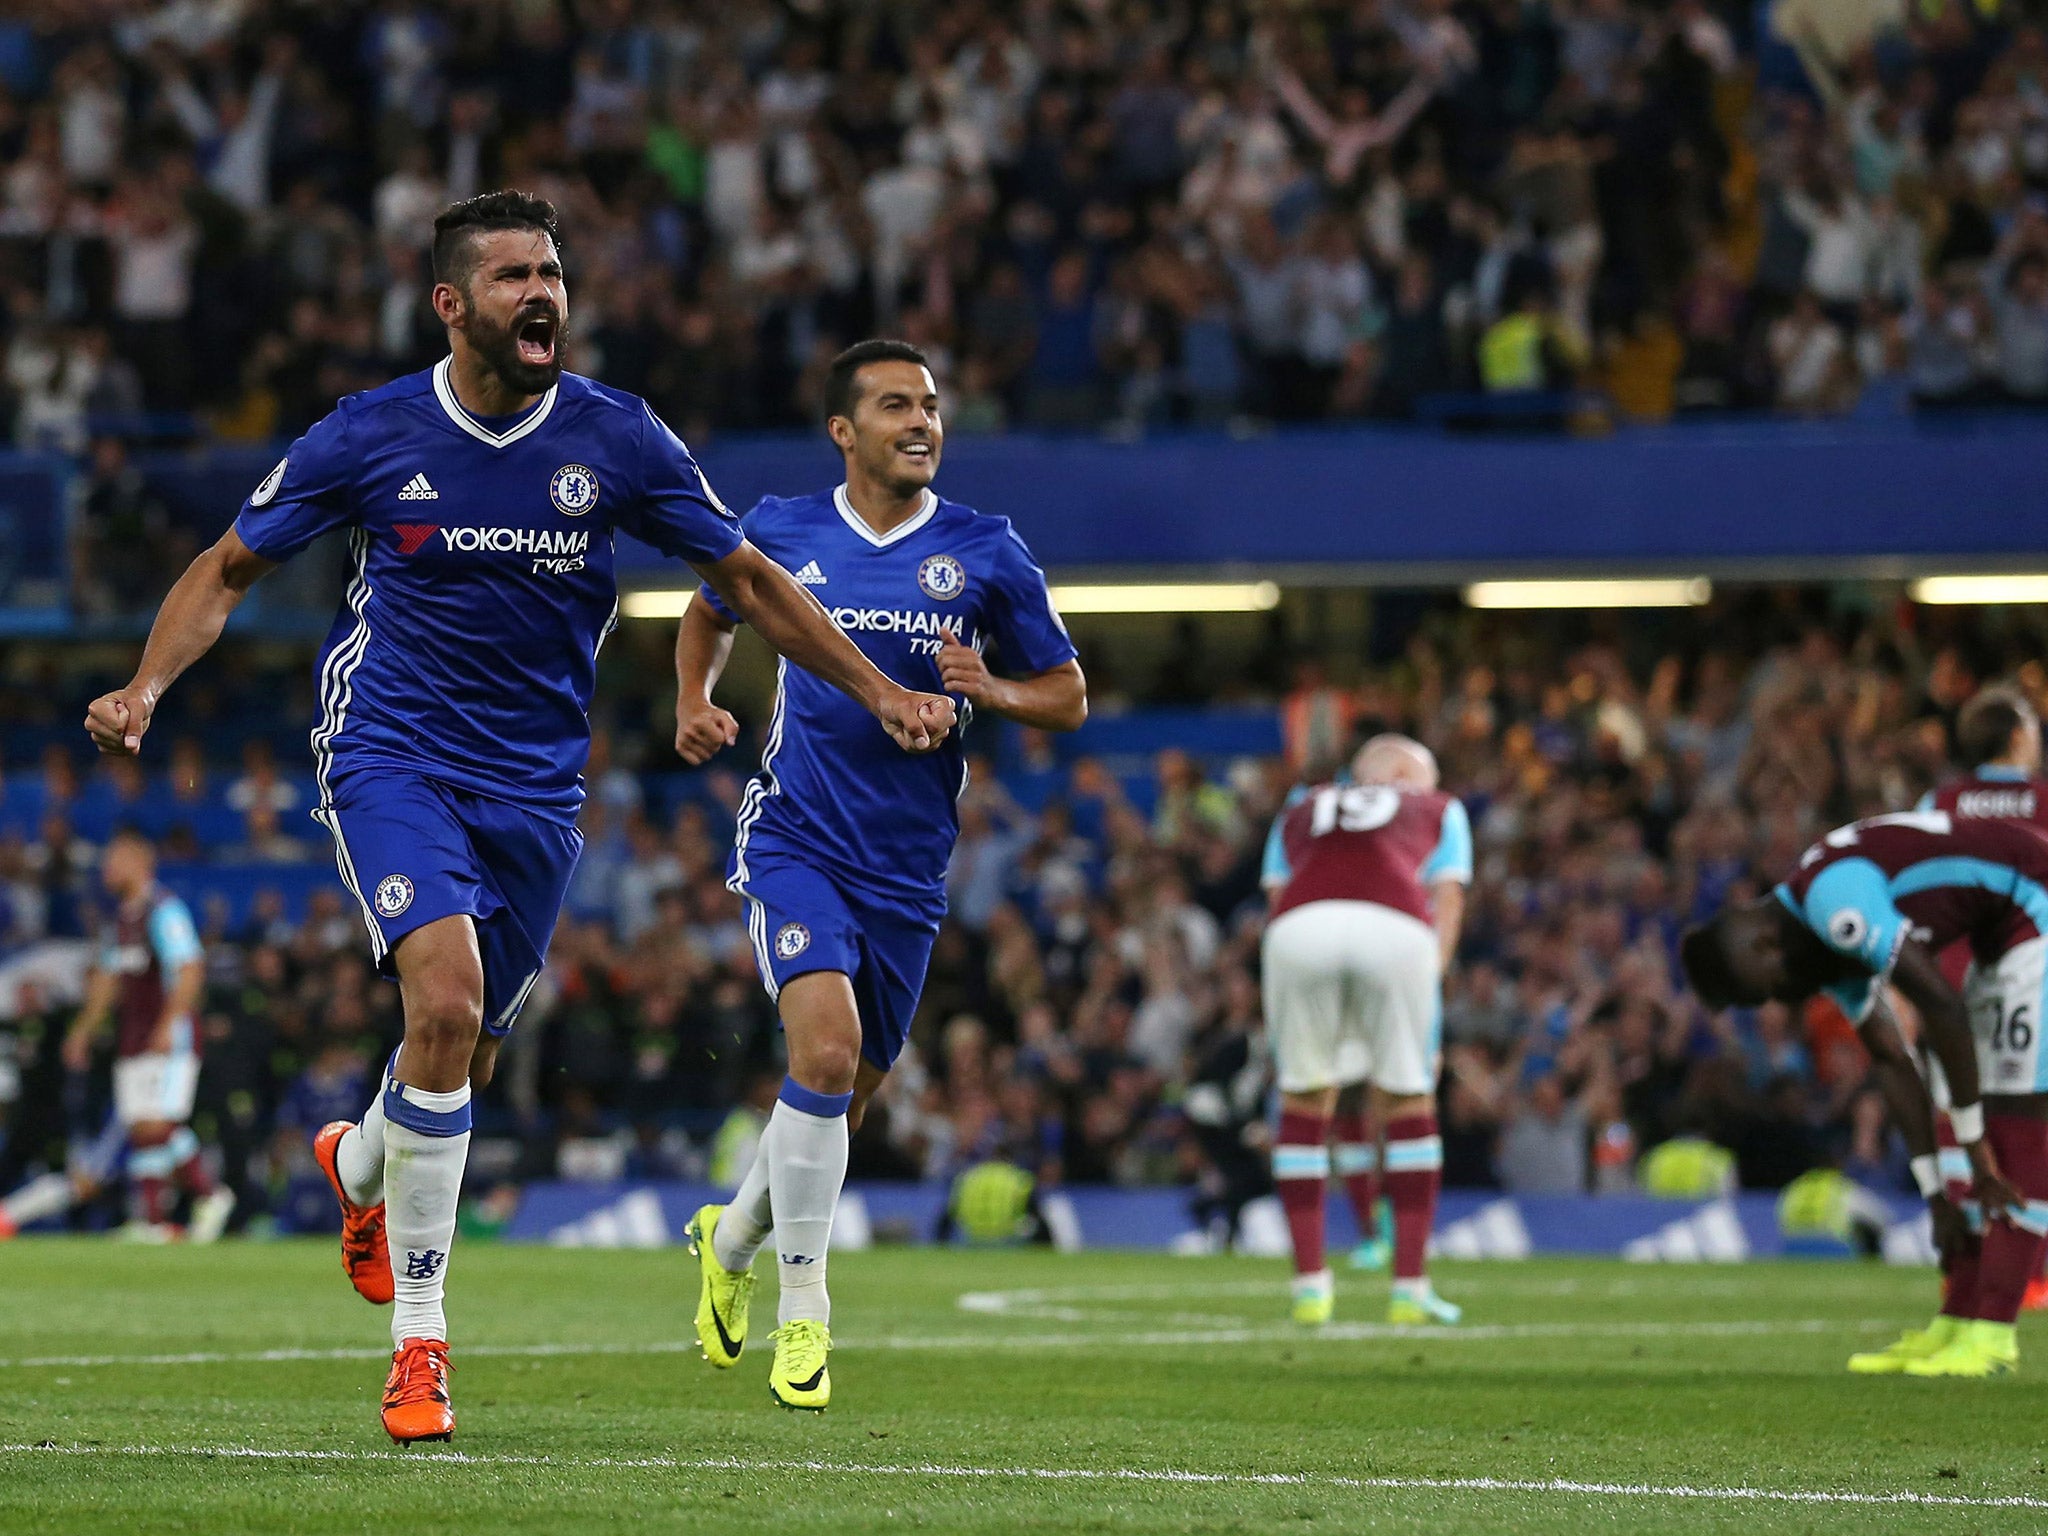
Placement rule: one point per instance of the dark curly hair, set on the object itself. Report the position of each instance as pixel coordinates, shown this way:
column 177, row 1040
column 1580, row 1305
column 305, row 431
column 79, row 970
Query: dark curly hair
column 455, row 251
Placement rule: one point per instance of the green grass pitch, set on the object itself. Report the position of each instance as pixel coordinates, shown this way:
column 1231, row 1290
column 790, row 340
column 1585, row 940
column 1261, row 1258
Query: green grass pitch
column 235, row 1389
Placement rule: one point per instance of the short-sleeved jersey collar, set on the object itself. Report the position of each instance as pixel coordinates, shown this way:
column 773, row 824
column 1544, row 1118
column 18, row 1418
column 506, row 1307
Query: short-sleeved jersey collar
column 901, row 531
column 444, row 391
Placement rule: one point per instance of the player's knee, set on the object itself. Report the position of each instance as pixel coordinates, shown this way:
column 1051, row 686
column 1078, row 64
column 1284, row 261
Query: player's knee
column 1314, row 1101
column 826, row 1063
column 445, row 1014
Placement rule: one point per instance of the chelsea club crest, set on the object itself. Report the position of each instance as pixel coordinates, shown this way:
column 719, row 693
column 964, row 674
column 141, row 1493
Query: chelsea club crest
column 573, row 490
column 394, row 895
column 791, row 940
column 942, row 577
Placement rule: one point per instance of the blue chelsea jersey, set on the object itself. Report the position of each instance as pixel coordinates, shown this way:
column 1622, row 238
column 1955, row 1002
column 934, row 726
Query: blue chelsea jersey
column 466, row 646
column 833, row 789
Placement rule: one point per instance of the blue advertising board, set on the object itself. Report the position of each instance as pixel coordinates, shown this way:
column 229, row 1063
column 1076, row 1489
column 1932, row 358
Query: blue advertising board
column 1731, row 494
column 1471, row 1224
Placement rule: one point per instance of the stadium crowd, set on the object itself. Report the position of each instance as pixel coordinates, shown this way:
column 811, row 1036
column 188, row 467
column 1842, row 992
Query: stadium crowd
column 1092, row 1011
column 1092, row 215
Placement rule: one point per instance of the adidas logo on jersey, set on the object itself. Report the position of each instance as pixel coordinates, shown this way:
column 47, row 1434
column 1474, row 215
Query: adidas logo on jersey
column 810, row 575
column 417, row 489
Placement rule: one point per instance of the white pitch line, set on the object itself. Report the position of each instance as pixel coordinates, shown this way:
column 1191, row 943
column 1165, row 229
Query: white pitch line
column 1012, row 1301
column 1340, row 1333
column 419, row 1458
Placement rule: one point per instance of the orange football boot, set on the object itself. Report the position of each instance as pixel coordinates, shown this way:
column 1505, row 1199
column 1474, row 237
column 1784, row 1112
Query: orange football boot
column 416, row 1393
column 365, row 1255
column 2036, row 1298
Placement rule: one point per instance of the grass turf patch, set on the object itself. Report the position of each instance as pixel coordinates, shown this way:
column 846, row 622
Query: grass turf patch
column 235, row 1389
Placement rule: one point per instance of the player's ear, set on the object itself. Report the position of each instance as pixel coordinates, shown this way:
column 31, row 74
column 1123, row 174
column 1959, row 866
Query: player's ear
column 449, row 304
column 840, row 430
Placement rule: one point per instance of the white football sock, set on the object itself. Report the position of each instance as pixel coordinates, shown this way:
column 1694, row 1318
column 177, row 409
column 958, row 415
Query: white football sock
column 745, row 1222
column 806, row 1168
column 359, row 1155
column 426, row 1140
column 39, row 1197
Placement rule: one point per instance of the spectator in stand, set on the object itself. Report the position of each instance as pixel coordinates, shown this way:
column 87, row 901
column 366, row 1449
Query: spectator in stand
column 1815, row 371
column 1951, row 341
column 2019, row 309
column 123, row 538
column 1237, row 183
column 1544, row 1145
column 1065, row 372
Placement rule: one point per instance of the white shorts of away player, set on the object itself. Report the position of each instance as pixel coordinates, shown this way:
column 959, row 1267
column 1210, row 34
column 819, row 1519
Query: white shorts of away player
column 158, row 1085
column 1352, row 994
column 2005, row 999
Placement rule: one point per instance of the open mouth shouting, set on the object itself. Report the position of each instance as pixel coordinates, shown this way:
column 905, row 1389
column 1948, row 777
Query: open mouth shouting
column 535, row 336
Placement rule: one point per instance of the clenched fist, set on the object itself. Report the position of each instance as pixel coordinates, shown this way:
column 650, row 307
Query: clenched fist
column 916, row 722
column 703, row 730
column 118, row 721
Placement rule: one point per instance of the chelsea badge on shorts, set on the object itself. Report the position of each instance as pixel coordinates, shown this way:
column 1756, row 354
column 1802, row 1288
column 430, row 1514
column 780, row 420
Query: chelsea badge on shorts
column 791, row 940
column 942, row 577
column 394, row 895
column 573, row 490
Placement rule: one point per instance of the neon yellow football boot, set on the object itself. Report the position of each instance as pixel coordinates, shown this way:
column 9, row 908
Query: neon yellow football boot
column 1978, row 1349
column 1315, row 1299
column 1913, row 1344
column 798, row 1379
column 723, row 1298
column 1415, row 1304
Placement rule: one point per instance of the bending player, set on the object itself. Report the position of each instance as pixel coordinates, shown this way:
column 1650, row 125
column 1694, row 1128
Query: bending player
column 1368, row 886
column 1998, row 737
column 1875, row 903
column 842, row 845
column 149, row 978
column 480, row 499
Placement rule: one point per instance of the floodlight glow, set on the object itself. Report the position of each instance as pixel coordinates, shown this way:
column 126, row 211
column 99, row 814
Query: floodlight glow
column 1168, row 597
column 2022, row 587
column 1619, row 592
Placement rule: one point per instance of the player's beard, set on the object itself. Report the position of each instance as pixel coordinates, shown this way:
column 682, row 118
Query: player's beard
column 498, row 346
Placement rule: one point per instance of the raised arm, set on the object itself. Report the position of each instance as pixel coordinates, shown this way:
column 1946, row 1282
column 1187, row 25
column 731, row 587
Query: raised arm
column 703, row 645
column 189, row 622
column 1299, row 100
column 764, row 595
